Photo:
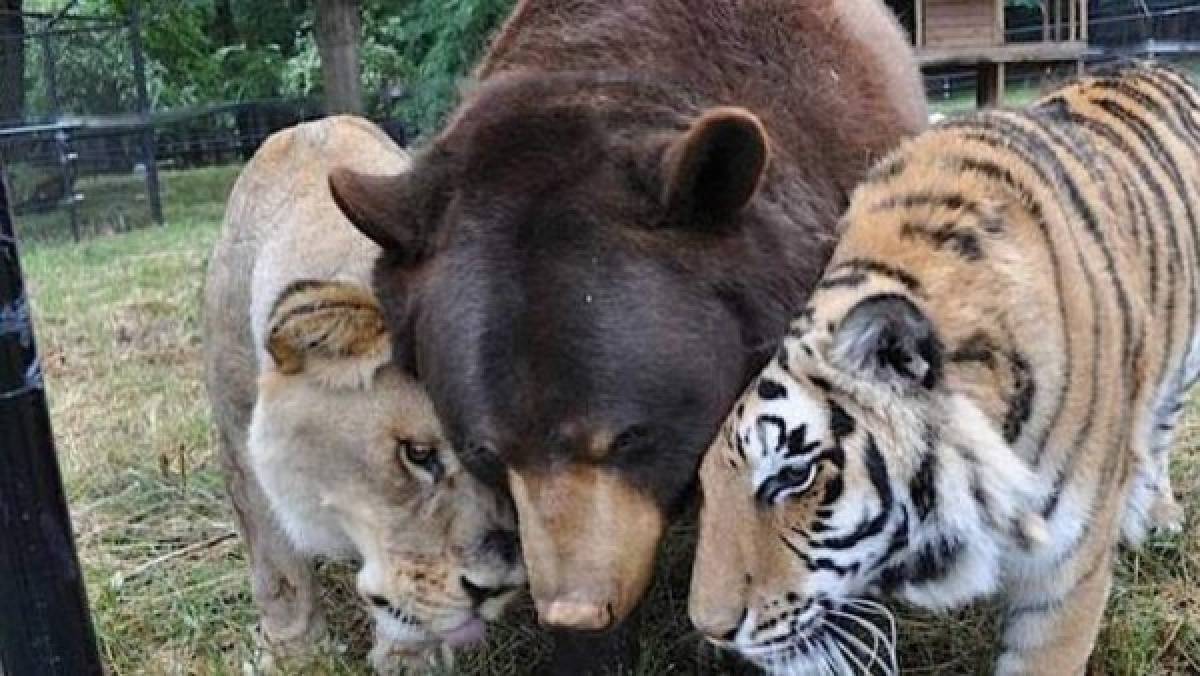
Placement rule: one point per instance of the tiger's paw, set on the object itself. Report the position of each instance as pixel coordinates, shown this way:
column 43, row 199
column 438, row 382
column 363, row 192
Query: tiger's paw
column 1166, row 516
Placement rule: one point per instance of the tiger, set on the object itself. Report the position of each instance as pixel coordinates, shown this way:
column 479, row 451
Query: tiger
column 978, row 398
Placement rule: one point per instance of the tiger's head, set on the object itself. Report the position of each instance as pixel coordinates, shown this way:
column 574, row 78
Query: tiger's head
column 848, row 470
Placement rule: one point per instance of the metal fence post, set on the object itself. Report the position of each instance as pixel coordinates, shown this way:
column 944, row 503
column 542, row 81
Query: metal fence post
column 147, row 115
column 45, row 629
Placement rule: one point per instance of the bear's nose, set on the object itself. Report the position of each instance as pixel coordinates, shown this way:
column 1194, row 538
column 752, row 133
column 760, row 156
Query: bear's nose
column 719, row 626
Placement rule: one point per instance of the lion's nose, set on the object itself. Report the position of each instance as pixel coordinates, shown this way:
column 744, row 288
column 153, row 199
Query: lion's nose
column 719, row 626
column 378, row 601
column 504, row 544
column 479, row 594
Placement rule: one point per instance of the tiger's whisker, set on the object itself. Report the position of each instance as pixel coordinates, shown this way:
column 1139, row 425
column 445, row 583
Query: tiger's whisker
column 842, row 639
column 874, row 631
column 846, row 637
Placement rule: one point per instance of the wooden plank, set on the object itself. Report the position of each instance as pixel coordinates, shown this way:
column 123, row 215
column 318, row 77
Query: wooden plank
column 1012, row 53
column 989, row 84
column 919, row 23
column 998, row 28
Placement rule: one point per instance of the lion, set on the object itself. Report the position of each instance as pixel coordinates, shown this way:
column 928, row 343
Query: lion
column 330, row 449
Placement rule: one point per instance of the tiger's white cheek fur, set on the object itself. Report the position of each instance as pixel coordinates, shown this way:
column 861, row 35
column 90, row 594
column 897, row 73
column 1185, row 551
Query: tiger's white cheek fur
column 986, row 503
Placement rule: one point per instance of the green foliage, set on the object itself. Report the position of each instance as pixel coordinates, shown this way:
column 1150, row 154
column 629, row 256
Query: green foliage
column 413, row 54
column 442, row 41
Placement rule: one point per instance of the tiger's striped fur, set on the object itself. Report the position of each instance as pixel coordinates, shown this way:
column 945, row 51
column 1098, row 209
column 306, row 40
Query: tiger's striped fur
column 981, row 394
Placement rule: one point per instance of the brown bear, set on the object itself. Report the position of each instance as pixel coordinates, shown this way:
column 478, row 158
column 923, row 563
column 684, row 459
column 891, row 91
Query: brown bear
column 606, row 240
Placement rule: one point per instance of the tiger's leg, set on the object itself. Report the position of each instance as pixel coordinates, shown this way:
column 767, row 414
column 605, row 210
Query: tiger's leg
column 1051, row 624
column 1165, row 513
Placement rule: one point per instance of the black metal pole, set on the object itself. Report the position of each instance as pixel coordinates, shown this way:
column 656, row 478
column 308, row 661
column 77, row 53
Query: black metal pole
column 143, row 99
column 45, row 629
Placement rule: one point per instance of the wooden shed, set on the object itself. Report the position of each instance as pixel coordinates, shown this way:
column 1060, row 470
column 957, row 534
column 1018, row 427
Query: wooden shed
column 972, row 33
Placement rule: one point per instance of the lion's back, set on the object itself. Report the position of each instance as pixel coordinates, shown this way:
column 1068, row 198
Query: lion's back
column 281, row 224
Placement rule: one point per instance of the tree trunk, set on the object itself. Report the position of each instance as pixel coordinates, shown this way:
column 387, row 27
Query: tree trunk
column 12, row 62
column 337, row 33
column 224, row 27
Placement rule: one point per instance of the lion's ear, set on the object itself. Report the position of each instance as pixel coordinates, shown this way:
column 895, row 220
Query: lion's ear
column 713, row 169
column 333, row 329
column 382, row 207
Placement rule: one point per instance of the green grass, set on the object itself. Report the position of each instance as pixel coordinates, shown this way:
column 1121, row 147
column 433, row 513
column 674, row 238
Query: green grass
column 117, row 320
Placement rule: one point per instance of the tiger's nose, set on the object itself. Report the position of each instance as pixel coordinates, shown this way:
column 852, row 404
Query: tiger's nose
column 719, row 626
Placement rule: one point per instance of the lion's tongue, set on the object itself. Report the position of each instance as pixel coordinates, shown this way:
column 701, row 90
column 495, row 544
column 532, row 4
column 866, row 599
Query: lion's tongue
column 471, row 631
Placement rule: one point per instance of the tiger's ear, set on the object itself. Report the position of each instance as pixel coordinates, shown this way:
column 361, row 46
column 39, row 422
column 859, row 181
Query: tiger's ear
column 385, row 208
column 331, row 329
column 713, row 169
column 886, row 338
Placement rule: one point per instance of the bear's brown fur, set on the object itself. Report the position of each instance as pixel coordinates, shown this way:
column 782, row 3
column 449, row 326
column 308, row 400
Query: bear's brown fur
column 607, row 240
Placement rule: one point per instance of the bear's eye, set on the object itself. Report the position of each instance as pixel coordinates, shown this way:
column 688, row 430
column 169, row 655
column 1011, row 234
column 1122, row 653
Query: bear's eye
column 422, row 456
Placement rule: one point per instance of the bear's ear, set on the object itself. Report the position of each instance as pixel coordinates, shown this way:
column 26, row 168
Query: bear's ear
column 887, row 339
column 332, row 329
column 384, row 208
column 713, row 169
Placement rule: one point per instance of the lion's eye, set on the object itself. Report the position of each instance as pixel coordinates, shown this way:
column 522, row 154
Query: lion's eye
column 422, row 456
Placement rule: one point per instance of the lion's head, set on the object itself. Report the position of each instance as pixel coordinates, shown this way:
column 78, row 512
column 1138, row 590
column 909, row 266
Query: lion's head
column 354, row 463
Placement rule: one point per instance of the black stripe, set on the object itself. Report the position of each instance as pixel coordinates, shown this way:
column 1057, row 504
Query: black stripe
column 935, row 560
column 1164, row 158
column 316, row 307
column 975, row 348
column 877, row 472
column 1020, row 403
column 1171, row 96
column 961, row 240
column 891, row 167
column 1046, row 144
column 1161, row 155
column 1021, row 144
column 298, row 286
column 879, row 268
column 849, row 280
column 949, row 201
column 922, row 488
column 1153, row 108
column 769, row 389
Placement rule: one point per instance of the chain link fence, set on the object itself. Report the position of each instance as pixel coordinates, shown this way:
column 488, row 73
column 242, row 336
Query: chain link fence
column 82, row 148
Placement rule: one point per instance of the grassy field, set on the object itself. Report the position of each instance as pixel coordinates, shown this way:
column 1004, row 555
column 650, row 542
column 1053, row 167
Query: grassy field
column 117, row 321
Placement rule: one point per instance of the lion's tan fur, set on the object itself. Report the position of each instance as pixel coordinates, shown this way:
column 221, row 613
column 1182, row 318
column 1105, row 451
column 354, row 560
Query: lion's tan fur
column 311, row 412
